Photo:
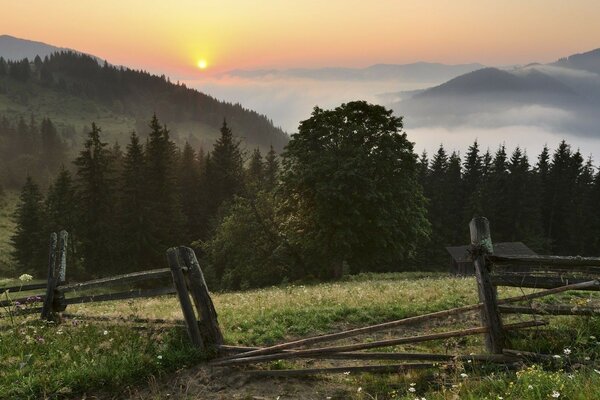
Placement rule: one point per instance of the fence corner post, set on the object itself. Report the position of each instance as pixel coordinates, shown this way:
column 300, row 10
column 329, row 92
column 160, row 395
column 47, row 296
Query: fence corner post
column 208, row 322
column 177, row 266
column 481, row 244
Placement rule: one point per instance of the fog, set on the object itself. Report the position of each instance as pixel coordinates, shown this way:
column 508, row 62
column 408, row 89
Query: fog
column 454, row 122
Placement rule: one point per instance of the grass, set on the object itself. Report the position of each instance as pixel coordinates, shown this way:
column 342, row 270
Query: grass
column 80, row 357
column 8, row 203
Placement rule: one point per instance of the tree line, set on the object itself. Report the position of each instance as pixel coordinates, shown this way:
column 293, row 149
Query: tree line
column 347, row 195
column 124, row 208
column 132, row 92
column 547, row 203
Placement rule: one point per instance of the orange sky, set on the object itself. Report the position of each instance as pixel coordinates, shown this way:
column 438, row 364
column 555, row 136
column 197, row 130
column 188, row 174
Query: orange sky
column 171, row 36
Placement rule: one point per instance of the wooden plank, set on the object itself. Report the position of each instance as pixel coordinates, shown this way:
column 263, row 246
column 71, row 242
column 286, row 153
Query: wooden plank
column 316, row 353
column 117, row 280
column 176, row 266
column 23, row 288
column 481, row 242
column 52, row 281
column 538, row 282
column 132, row 294
column 380, row 369
column 160, row 321
column 209, row 324
column 550, row 310
column 412, row 320
column 565, row 261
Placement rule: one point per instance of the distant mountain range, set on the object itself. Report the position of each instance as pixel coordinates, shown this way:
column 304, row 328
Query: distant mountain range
column 15, row 49
column 75, row 89
column 415, row 72
column 563, row 96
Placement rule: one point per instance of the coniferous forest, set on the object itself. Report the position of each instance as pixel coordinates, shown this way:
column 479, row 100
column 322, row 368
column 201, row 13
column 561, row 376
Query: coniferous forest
column 328, row 205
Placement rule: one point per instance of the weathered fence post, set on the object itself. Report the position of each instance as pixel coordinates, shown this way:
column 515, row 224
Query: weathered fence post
column 209, row 325
column 57, row 266
column 47, row 308
column 481, row 244
column 188, row 278
column 177, row 266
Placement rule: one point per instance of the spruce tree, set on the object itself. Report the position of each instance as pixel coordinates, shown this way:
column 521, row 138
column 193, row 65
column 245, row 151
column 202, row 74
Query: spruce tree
column 95, row 198
column 189, row 181
column 161, row 190
column 271, row 169
column 61, row 210
column 29, row 240
column 225, row 172
column 255, row 170
column 134, row 218
column 472, row 180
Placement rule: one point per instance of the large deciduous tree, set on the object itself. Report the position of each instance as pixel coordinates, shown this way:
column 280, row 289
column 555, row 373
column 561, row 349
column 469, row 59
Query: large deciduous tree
column 350, row 191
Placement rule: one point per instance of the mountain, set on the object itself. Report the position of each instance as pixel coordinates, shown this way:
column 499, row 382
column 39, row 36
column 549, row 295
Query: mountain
column 589, row 61
column 74, row 89
column 415, row 72
column 15, row 49
column 560, row 97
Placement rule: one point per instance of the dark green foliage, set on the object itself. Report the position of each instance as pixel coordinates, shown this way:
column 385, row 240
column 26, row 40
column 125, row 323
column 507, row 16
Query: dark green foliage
column 225, row 171
column 62, row 212
column 255, row 172
column 29, row 240
column 134, row 219
column 189, row 181
column 271, row 169
column 246, row 249
column 95, row 199
column 350, row 192
column 162, row 200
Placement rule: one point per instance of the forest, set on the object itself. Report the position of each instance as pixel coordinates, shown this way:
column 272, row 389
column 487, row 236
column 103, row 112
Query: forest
column 71, row 89
column 348, row 195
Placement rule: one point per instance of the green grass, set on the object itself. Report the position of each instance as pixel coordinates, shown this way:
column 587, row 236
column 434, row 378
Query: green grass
column 8, row 202
column 78, row 357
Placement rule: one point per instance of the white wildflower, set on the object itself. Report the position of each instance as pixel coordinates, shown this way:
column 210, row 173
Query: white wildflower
column 159, row 357
column 25, row 278
column 463, row 375
column 412, row 389
column 105, row 333
column 530, row 387
column 555, row 394
column 556, row 356
column 567, row 351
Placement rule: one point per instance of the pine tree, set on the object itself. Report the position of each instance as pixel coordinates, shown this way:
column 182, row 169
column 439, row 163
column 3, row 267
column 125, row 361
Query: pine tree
column 161, row 190
column 472, row 180
column 189, row 193
column 29, row 240
column 61, row 210
column 225, row 171
column 255, row 171
column 134, row 218
column 95, row 197
column 52, row 147
column 271, row 169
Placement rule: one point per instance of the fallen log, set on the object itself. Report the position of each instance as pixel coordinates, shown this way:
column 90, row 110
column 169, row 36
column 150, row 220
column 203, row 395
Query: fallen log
column 319, row 352
column 408, row 321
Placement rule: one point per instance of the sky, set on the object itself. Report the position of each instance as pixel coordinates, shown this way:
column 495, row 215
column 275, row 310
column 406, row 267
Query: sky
column 172, row 36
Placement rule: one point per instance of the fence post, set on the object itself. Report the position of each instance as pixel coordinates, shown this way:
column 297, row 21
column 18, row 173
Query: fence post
column 481, row 244
column 47, row 308
column 177, row 267
column 59, row 303
column 209, row 324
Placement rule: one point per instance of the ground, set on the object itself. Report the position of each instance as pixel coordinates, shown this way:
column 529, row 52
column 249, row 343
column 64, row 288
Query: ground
column 85, row 358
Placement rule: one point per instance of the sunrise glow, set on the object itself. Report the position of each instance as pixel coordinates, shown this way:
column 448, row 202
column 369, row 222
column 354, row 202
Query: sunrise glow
column 202, row 64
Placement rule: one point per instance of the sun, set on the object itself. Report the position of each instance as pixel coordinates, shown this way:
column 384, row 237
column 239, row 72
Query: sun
column 202, row 64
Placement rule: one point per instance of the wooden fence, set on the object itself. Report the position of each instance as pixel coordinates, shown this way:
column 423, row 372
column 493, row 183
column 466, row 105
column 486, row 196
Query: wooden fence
column 552, row 274
column 183, row 277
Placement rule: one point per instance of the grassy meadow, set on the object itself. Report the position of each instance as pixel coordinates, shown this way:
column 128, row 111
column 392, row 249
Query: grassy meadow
column 80, row 356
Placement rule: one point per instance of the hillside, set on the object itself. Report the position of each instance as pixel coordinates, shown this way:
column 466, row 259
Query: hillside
column 74, row 89
column 15, row 49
